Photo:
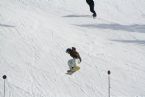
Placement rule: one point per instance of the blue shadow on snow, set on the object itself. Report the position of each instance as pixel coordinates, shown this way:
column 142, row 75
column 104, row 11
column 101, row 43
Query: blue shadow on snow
column 129, row 28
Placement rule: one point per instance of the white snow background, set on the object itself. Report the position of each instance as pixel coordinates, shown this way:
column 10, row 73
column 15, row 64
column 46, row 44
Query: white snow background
column 34, row 35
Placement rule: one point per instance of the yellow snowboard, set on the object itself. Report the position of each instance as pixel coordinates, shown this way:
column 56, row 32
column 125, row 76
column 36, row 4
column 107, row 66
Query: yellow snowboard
column 70, row 72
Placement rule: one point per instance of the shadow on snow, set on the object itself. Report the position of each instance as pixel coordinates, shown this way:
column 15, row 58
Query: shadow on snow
column 141, row 42
column 129, row 28
column 5, row 25
column 73, row 16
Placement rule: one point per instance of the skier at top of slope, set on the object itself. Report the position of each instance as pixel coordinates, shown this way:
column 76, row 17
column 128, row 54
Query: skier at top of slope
column 91, row 5
column 76, row 57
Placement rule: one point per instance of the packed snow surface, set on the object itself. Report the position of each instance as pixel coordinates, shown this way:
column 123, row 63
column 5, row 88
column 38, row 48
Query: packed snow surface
column 34, row 35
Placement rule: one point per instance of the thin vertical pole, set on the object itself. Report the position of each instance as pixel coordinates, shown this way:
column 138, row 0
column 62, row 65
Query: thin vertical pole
column 4, row 77
column 4, row 88
column 109, row 85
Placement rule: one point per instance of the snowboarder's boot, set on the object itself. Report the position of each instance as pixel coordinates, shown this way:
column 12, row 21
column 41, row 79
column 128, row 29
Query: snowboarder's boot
column 94, row 15
column 71, row 70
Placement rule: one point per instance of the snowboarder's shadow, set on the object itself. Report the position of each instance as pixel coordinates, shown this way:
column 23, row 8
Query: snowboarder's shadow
column 73, row 16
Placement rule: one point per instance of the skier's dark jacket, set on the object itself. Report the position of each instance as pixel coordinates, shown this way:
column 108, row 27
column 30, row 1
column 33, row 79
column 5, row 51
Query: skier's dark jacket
column 73, row 53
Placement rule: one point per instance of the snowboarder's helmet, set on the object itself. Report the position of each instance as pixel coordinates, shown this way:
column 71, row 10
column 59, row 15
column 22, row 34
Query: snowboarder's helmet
column 68, row 50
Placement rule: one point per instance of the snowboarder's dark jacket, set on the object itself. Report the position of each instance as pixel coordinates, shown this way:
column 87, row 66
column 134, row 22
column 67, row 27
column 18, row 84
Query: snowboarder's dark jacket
column 73, row 53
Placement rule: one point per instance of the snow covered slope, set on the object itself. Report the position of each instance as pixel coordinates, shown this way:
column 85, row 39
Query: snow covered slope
column 34, row 35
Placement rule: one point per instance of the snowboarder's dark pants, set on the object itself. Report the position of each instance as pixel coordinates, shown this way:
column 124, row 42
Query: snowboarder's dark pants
column 91, row 5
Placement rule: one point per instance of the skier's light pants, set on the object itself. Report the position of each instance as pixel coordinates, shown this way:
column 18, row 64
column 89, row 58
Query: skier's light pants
column 73, row 63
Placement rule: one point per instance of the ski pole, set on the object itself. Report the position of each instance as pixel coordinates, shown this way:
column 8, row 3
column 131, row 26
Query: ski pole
column 4, row 77
column 109, row 86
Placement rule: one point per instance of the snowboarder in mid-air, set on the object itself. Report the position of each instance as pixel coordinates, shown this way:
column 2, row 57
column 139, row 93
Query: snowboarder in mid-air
column 72, row 63
column 91, row 5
